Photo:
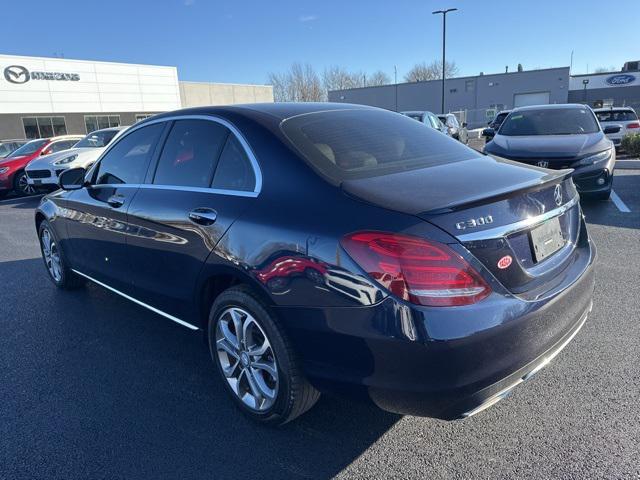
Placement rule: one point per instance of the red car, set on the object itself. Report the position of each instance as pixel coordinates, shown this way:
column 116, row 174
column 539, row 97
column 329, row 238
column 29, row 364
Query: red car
column 12, row 176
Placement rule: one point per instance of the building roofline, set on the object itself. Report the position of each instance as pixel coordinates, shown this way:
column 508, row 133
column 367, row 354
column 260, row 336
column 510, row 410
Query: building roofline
column 65, row 59
column 455, row 78
column 225, row 83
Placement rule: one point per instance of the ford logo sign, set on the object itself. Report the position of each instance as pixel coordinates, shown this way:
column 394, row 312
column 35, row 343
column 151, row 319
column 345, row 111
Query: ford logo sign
column 620, row 79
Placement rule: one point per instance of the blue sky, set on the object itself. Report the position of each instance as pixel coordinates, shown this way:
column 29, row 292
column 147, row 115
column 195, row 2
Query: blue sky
column 241, row 41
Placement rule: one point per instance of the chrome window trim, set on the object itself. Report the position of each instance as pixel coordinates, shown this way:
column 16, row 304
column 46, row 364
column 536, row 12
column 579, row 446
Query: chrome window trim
column 134, row 300
column 211, row 118
column 505, row 230
column 150, row 186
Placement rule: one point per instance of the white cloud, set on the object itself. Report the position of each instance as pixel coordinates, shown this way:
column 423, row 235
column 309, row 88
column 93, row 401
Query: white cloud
column 188, row 3
column 307, row 18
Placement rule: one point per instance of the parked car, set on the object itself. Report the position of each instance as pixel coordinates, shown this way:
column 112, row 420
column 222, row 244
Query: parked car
column 12, row 175
column 42, row 173
column 9, row 146
column 494, row 125
column 457, row 131
column 620, row 121
column 429, row 119
column 559, row 137
column 331, row 247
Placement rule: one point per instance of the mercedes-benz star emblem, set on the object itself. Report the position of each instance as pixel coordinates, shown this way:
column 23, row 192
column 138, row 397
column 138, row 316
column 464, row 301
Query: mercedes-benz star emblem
column 543, row 163
column 16, row 74
column 557, row 195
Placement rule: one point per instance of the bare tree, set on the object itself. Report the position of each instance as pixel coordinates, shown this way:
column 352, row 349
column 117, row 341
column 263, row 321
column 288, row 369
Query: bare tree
column 421, row 72
column 604, row 70
column 338, row 78
column 378, row 78
column 300, row 84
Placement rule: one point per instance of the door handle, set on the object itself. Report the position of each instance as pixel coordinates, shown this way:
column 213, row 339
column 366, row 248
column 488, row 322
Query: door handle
column 203, row 216
column 116, row 201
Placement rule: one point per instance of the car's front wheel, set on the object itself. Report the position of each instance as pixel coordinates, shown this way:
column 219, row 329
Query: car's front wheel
column 21, row 185
column 54, row 260
column 255, row 360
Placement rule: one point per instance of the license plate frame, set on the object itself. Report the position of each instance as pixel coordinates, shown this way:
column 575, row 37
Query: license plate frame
column 546, row 239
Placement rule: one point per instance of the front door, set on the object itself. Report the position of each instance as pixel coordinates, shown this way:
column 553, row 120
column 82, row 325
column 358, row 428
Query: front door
column 202, row 183
column 96, row 216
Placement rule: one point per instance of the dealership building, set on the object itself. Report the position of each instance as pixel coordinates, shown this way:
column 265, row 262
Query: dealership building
column 42, row 97
column 478, row 98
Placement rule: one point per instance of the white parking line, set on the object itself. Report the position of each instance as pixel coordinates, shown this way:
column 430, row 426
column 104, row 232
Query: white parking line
column 619, row 203
column 13, row 199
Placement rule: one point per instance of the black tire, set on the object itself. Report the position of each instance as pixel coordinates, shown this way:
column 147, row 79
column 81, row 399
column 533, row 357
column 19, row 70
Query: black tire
column 294, row 394
column 66, row 278
column 20, row 186
column 3, row 193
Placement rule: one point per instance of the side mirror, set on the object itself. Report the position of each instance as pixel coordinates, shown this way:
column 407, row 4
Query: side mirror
column 488, row 133
column 464, row 124
column 46, row 151
column 611, row 129
column 72, row 179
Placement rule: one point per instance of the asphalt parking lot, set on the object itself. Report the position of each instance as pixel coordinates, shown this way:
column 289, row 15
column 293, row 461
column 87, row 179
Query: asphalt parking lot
column 92, row 386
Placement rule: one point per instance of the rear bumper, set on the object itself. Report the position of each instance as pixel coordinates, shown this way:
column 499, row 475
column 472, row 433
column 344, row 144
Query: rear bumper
column 446, row 363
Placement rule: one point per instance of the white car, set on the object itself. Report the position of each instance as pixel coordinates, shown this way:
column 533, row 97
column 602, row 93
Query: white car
column 43, row 172
column 623, row 117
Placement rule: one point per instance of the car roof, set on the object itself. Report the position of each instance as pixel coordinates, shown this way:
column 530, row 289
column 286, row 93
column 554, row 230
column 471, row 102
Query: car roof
column 551, row 106
column 109, row 129
column 278, row 111
column 416, row 112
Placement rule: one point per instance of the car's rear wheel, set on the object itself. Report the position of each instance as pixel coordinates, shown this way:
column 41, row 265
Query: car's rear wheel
column 255, row 360
column 59, row 272
column 21, row 185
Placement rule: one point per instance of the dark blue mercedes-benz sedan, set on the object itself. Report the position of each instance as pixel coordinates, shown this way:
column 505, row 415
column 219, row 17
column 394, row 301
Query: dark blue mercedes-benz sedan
column 559, row 137
column 331, row 248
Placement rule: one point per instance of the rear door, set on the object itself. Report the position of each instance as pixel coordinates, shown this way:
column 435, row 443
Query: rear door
column 96, row 216
column 205, row 177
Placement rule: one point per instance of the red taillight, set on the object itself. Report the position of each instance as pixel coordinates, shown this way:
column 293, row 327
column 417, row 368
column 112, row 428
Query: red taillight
column 633, row 125
column 417, row 270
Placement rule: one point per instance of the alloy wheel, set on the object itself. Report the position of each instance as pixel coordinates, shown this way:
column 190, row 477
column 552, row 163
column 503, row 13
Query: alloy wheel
column 51, row 255
column 247, row 359
column 23, row 185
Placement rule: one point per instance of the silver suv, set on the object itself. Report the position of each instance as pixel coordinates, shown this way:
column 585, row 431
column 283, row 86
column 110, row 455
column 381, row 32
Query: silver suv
column 623, row 117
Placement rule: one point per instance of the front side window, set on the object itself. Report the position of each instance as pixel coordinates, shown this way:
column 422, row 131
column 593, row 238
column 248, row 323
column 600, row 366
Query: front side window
column 61, row 145
column 127, row 160
column 190, row 153
column 550, row 121
column 234, row 171
column 350, row 144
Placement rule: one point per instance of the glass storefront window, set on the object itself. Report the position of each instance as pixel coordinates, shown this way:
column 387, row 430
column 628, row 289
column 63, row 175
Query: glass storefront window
column 96, row 122
column 43, row 127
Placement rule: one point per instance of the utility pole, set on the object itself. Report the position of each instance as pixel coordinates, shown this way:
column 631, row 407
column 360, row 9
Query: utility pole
column 395, row 80
column 444, row 40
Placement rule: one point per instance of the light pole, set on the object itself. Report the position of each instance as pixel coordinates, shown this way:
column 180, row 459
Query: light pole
column 395, row 80
column 444, row 42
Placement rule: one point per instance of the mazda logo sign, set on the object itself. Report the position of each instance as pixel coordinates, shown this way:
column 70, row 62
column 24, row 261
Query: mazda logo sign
column 19, row 74
column 16, row 74
column 542, row 163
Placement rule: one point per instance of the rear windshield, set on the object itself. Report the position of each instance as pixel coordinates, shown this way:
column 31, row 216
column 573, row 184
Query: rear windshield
column 350, row 144
column 29, row 148
column 617, row 116
column 550, row 121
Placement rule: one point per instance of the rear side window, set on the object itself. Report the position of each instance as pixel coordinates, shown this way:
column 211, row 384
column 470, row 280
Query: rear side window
column 128, row 160
column 617, row 116
column 234, row 171
column 350, row 144
column 190, row 153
